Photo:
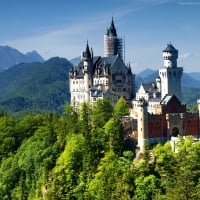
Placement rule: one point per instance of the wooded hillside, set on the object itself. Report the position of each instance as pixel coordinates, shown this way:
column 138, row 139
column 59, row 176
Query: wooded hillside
column 84, row 154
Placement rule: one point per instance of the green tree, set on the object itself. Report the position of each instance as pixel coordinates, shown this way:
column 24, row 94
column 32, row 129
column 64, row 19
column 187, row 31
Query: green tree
column 65, row 175
column 115, row 132
column 102, row 111
column 9, row 173
column 121, row 108
column 186, row 174
column 146, row 187
column 112, row 181
column 85, row 118
column 8, row 137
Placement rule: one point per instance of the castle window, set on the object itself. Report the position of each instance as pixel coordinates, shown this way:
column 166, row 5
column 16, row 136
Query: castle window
column 124, row 77
column 114, row 77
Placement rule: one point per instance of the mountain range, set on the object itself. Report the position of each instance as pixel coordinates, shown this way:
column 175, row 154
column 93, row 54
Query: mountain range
column 35, row 86
column 44, row 86
column 10, row 57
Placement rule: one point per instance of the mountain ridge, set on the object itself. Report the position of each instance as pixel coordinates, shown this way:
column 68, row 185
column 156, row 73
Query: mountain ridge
column 10, row 56
column 45, row 86
column 35, row 86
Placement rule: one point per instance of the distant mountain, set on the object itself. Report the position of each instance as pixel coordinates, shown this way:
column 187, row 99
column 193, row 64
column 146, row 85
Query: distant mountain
column 190, row 84
column 145, row 73
column 45, row 86
column 75, row 61
column 33, row 56
column 10, row 57
column 188, row 79
column 195, row 75
column 35, row 86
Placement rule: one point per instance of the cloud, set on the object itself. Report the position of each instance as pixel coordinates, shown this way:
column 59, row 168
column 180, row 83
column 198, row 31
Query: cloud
column 184, row 56
column 69, row 39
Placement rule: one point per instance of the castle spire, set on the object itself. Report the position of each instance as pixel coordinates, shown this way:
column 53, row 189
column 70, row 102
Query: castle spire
column 112, row 30
column 112, row 44
column 86, row 54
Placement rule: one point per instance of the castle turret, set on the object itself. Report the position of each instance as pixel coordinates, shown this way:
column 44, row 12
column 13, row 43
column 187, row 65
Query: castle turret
column 198, row 103
column 170, row 74
column 170, row 56
column 112, row 44
column 143, row 136
column 87, row 57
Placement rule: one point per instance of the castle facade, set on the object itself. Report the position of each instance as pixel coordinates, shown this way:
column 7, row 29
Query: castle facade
column 156, row 107
column 97, row 77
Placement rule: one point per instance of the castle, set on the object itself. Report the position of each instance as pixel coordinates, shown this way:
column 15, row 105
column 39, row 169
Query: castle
column 155, row 106
column 97, row 77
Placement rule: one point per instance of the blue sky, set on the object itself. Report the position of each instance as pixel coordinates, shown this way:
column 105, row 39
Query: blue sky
column 62, row 27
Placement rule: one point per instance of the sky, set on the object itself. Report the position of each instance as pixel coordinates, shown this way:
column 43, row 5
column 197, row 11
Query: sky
column 63, row 27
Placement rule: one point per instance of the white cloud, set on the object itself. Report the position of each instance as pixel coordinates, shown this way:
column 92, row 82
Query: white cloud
column 184, row 56
column 68, row 41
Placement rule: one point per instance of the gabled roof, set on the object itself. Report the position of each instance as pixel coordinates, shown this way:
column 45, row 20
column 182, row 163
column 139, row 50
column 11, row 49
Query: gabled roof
column 168, row 98
column 149, row 87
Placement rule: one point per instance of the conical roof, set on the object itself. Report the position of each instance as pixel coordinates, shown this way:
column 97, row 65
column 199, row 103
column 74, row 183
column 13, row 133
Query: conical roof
column 87, row 53
column 112, row 30
column 170, row 48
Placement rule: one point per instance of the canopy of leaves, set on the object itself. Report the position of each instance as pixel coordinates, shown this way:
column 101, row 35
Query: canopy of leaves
column 50, row 156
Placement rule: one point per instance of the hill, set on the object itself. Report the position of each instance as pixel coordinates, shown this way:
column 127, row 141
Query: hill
column 45, row 86
column 38, row 86
column 10, row 57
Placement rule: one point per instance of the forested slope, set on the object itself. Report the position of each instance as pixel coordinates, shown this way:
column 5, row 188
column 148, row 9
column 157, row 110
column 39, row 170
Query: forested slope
column 83, row 155
column 35, row 86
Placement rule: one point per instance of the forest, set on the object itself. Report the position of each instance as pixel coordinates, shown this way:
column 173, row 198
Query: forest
column 83, row 154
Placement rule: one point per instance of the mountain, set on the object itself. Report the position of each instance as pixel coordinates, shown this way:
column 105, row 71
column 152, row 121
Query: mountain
column 145, row 73
column 35, row 86
column 34, row 56
column 45, row 86
column 188, row 79
column 75, row 61
column 10, row 57
column 195, row 75
column 190, row 84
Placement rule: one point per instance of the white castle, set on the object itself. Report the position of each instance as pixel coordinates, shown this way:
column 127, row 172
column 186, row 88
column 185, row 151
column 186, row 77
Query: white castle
column 166, row 85
column 156, row 107
column 97, row 77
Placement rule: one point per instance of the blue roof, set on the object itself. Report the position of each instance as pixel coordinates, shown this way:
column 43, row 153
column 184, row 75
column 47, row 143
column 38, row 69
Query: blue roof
column 170, row 48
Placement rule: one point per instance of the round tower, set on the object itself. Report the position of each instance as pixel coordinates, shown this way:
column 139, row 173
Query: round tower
column 143, row 136
column 87, row 58
column 170, row 75
column 198, row 103
column 170, row 56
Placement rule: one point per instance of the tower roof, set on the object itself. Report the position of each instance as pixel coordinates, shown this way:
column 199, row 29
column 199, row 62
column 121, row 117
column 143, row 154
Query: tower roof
column 112, row 30
column 87, row 53
column 170, row 48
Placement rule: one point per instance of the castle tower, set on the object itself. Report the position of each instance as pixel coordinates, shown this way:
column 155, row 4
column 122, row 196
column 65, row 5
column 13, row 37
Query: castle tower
column 143, row 136
column 87, row 57
column 112, row 44
column 170, row 75
column 198, row 103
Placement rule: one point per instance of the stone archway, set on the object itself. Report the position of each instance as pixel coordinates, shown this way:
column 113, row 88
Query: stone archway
column 175, row 132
